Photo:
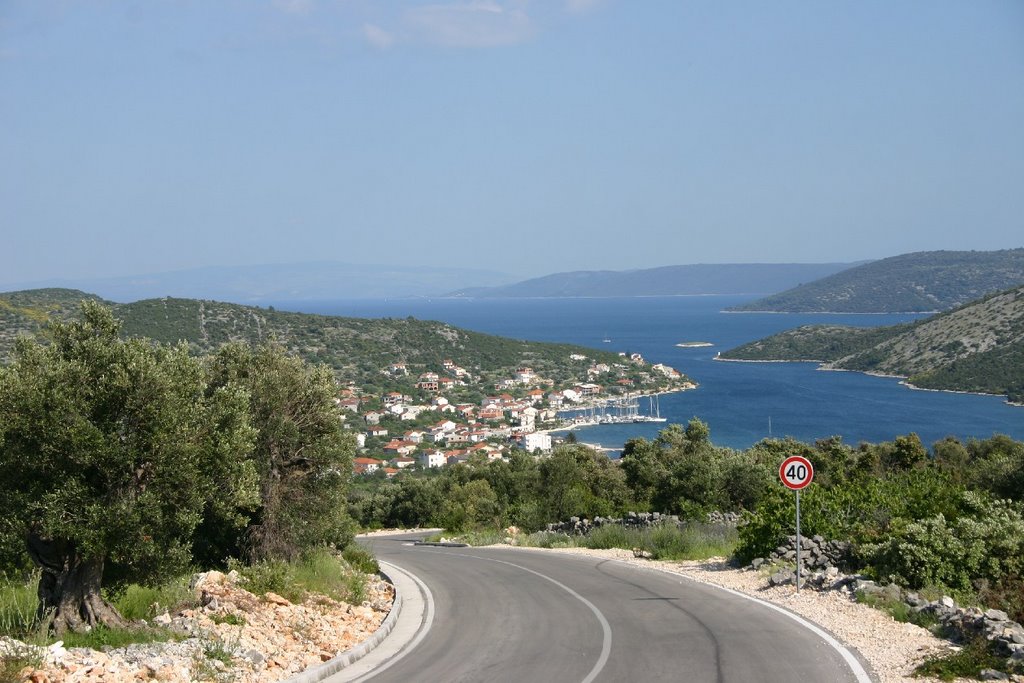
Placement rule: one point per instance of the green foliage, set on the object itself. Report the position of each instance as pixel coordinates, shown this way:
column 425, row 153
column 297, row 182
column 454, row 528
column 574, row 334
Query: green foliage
column 482, row 537
column 985, row 542
column 968, row 662
column 113, row 448
column 921, row 281
column 231, row 619
column 663, row 542
column 578, row 481
column 683, row 473
column 18, row 607
column 899, row 610
column 360, row 559
column 950, row 350
column 813, row 342
column 102, row 637
column 301, row 456
column 318, row 571
column 145, row 602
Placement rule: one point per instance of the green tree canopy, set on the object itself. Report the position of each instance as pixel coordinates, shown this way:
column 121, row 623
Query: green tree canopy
column 302, row 454
column 110, row 451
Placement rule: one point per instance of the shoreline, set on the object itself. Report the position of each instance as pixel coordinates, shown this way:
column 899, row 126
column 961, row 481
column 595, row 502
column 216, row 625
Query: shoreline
column 872, row 373
column 606, row 402
column 838, row 312
column 745, row 360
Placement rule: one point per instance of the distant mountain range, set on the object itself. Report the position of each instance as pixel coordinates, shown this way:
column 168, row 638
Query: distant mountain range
column 282, row 282
column 723, row 278
column 978, row 347
column 919, row 282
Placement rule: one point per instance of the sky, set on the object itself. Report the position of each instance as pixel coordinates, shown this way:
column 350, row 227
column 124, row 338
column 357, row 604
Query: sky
column 524, row 136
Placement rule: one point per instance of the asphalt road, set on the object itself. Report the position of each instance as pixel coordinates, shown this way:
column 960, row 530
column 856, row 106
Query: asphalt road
column 524, row 616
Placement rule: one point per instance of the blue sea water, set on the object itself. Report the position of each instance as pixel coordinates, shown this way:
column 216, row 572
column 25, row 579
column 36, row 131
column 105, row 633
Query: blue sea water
column 737, row 400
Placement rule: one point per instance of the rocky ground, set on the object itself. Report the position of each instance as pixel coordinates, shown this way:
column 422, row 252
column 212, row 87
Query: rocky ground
column 233, row 636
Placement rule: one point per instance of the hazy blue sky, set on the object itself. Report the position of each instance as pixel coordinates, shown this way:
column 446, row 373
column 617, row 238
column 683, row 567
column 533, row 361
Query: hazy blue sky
column 530, row 136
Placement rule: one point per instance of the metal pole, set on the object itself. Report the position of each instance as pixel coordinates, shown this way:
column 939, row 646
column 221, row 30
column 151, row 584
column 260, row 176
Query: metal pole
column 798, row 540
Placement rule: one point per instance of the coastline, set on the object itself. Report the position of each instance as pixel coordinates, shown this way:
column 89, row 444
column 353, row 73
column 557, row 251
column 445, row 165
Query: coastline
column 605, row 402
column 745, row 360
column 904, row 380
column 838, row 312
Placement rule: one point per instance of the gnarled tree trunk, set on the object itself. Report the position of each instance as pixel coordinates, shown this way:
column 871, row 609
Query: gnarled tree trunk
column 69, row 589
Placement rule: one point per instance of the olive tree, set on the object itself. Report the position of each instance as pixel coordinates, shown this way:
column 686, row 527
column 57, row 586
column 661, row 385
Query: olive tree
column 302, row 455
column 110, row 450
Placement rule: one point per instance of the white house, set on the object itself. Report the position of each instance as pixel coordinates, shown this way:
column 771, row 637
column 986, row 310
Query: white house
column 535, row 441
column 433, row 459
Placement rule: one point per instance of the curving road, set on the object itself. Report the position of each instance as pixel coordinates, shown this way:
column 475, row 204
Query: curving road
column 502, row 614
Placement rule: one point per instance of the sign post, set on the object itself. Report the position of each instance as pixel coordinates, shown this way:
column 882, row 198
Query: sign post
column 796, row 472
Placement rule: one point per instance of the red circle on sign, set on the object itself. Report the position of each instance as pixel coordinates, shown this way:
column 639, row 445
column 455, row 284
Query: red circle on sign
column 796, row 472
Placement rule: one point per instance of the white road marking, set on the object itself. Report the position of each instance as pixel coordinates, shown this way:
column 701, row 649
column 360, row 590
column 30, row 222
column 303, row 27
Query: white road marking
column 855, row 666
column 606, row 629
column 428, row 620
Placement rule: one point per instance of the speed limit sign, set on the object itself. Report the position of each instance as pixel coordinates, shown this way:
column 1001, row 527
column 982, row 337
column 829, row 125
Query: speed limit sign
column 796, row 472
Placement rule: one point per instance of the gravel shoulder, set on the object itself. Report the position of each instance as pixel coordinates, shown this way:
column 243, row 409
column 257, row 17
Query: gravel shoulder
column 233, row 635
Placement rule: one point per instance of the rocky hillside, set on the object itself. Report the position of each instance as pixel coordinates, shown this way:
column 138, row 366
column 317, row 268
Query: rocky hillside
column 921, row 282
column 977, row 347
column 356, row 348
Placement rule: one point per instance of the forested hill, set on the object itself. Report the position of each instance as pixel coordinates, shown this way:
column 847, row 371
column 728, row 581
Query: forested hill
column 977, row 347
column 356, row 348
column 707, row 278
column 922, row 281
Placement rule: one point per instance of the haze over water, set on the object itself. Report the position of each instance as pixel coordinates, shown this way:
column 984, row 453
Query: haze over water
column 735, row 399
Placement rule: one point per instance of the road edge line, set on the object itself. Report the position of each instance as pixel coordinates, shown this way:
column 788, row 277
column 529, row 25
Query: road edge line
column 856, row 666
column 606, row 629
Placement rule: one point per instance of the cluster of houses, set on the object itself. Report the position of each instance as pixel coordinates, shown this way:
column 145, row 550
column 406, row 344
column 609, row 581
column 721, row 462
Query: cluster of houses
column 486, row 429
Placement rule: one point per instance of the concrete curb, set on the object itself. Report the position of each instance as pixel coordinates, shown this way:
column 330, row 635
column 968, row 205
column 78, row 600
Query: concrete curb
column 333, row 666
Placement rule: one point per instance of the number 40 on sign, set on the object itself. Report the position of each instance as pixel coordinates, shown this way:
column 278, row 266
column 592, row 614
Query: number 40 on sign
column 796, row 472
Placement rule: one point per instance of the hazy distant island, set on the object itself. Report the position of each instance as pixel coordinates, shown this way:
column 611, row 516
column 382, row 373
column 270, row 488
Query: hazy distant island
column 978, row 347
column 919, row 282
column 693, row 344
column 255, row 284
column 695, row 279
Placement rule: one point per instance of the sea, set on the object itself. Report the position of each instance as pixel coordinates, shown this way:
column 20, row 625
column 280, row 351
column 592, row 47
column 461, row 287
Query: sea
column 741, row 402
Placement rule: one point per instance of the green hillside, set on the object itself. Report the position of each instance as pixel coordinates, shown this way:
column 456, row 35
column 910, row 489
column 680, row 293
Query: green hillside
column 919, row 282
column 977, row 347
column 357, row 349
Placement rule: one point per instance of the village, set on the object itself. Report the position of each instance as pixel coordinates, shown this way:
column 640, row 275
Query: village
column 422, row 427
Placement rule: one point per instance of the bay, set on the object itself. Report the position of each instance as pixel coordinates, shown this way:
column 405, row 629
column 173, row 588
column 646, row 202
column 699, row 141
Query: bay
column 737, row 400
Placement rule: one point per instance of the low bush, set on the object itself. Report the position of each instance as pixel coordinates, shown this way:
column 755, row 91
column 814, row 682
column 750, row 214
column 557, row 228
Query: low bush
column 102, row 637
column 319, row 571
column 145, row 602
column 360, row 558
column 967, row 662
column 899, row 610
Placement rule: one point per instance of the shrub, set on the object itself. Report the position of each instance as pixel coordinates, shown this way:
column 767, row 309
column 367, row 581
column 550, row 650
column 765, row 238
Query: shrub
column 360, row 558
column 968, row 662
column 145, row 602
column 986, row 543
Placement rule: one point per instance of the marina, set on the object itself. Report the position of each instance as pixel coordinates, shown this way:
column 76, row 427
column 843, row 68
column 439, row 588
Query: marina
column 618, row 410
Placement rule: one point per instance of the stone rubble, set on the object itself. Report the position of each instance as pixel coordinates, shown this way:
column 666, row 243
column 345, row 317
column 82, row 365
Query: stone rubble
column 232, row 636
column 892, row 649
column 822, row 563
column 576, row 526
